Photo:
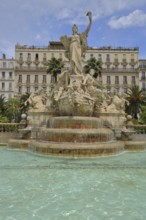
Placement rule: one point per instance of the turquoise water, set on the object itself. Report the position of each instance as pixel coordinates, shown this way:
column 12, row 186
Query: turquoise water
column 41, row 188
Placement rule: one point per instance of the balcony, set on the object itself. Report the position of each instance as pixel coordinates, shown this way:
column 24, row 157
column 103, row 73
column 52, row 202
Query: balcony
column 28, row 61
column 44, row 62
column 143, row 78
column 20, row 61
column 36, row 61
column 30, row 68
column 133, row 62
column 120, row 70
column 116, row 62
column 124, row 62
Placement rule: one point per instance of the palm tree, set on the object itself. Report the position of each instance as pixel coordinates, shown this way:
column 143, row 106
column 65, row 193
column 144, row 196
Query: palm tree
column 54, row 67
column 94, row 64
column 13, row 109
column 3, row 105
column 136, row 99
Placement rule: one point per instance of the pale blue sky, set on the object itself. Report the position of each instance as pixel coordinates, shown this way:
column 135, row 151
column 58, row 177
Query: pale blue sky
column 36, row 22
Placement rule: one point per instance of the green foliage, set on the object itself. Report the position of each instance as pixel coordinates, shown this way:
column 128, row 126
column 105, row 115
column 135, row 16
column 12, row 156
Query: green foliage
column 94, row 64
column 13, row 109
column 136, row 99
column 143, row 115
column 3, row 119
column 3, row 105
column 54, row 67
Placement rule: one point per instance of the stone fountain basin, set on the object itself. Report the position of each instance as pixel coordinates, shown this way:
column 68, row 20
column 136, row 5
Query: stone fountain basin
column 74, row 122
column 76, row 135
column 76, row 149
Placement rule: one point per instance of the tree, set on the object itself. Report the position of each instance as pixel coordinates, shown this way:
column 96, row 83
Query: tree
column 3, row 105
column 54, row 67
column 13, row 109
column 136, row 99
column 143, row 115
column 94, row 64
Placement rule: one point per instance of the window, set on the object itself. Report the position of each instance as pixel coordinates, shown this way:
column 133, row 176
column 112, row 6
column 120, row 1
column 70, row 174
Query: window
column 10, row 75
column 36, row 78
column 143, row 75
column 3, row 75
column 10, row 86
column 44, row 78
column 116, row 80
column 36, row 56
column 108, row 57
column 35, row 88
column 28, row 78
column 28, row 66
column 3, row 86
column 107, row 67
column 125, row 90
column 91, row 55
column 20, row 66
column 108, row 80
column 116, row 67
column 117, row 91
column 20, row 78
column 29, row 57
column 124, row 79
column 21, row 56
column 28, row 89
column 52, row 79
column 133, row 80
column 143, row 86
column 11, row 65
column 99, row 57
column 4, row 65
column 132, row 67
column 36, row 66
column 124, row 67
column 19, row 89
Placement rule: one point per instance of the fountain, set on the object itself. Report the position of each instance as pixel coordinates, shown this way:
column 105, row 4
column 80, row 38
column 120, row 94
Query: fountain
column 80, row 119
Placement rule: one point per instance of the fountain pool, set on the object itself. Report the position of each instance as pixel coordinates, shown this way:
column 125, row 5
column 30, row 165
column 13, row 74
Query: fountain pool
column 48, row 188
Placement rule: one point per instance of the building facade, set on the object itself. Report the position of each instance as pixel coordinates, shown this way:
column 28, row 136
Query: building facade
column 120, row 66
column 142, row 74
column 7, row 77
column 30, row 68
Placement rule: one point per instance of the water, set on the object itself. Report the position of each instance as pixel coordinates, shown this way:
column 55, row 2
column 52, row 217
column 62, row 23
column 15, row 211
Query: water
column 42, row 188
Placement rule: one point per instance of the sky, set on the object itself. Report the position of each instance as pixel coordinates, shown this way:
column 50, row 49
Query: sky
column 36, row 22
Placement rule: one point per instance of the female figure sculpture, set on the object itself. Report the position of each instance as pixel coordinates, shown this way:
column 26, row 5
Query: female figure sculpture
column 75, row 46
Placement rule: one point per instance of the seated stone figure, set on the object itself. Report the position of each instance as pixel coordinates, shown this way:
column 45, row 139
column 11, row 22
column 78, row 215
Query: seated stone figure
column 117, row 104
column 91, row 85
column 37, row 101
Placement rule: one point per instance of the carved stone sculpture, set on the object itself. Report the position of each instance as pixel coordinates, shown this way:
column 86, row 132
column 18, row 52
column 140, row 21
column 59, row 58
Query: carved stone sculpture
column 37, row 102
column 75, row 46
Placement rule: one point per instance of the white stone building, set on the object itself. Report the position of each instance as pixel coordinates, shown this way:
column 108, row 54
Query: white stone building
column 142, row 74
column 120, row 66
column 7, row 76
